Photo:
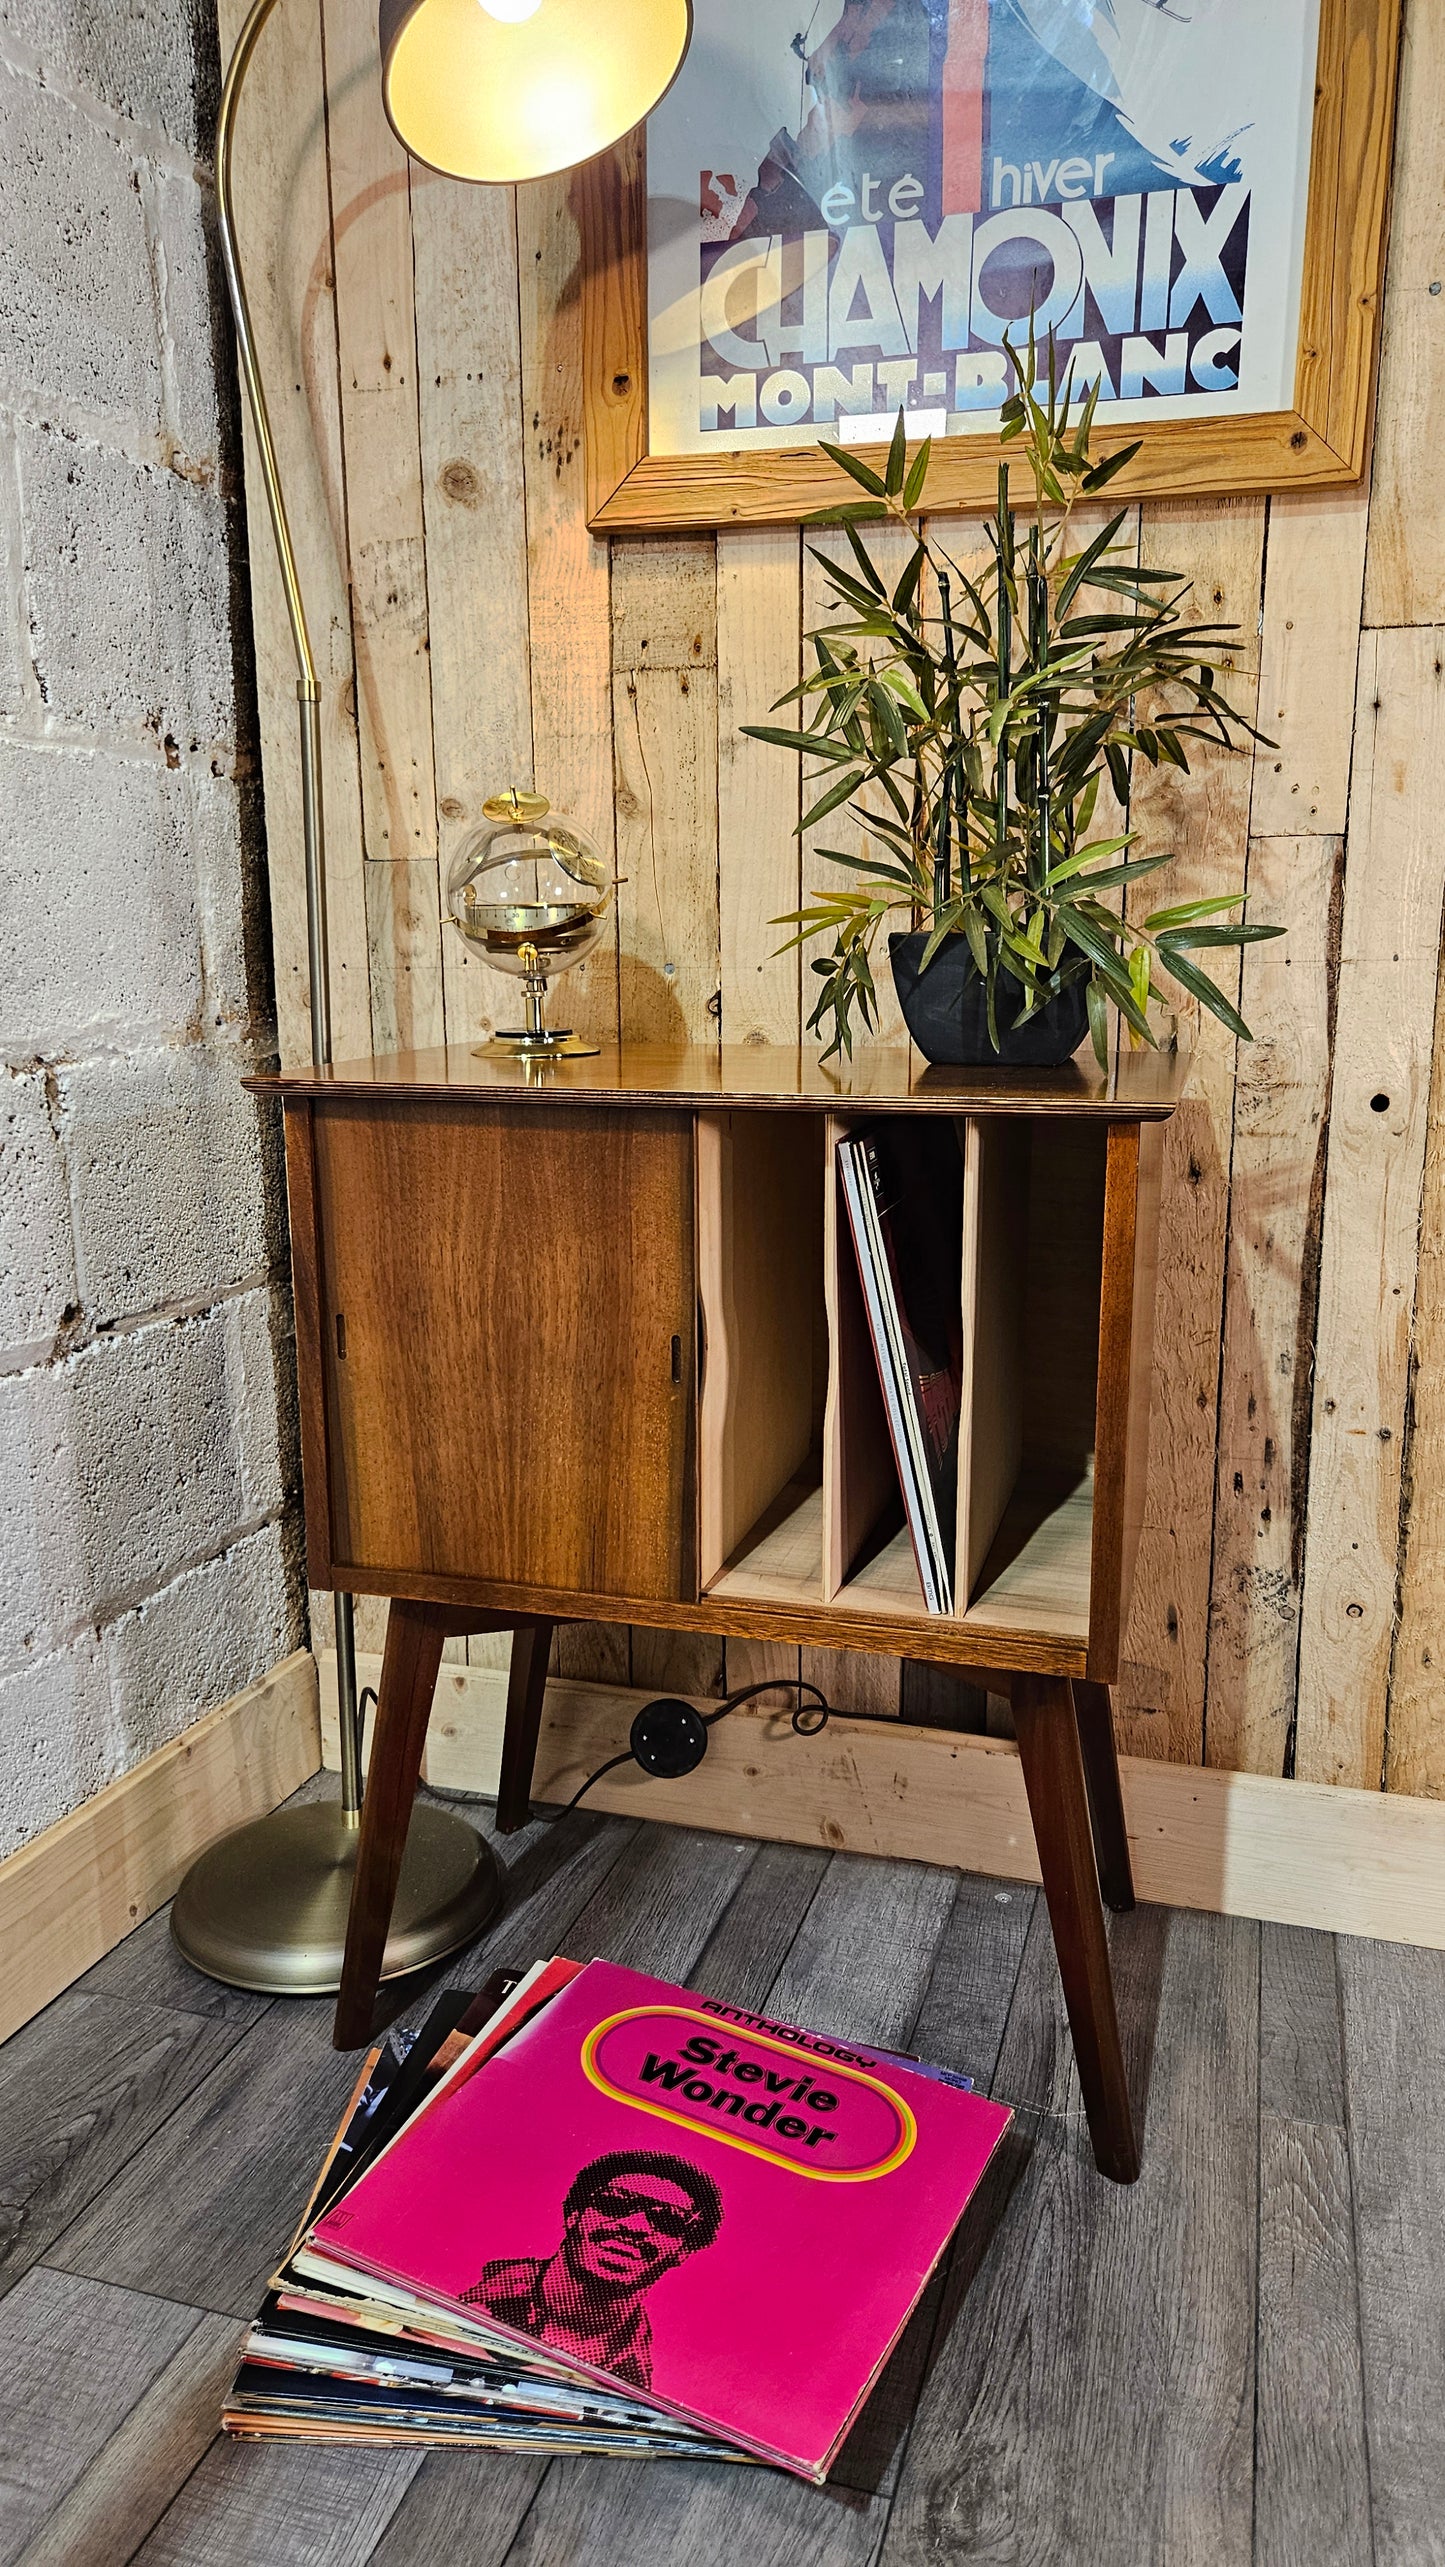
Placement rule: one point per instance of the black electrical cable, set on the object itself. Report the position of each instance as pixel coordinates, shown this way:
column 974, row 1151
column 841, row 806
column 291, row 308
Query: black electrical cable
column 676, row 1743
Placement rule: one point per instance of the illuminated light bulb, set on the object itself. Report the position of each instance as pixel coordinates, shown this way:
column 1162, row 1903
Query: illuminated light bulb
column 501, row 90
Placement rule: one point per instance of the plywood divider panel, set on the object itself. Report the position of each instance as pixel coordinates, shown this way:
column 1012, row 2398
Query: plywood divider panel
column 759, row 1228
column 995, row 1255
column 860, row 1477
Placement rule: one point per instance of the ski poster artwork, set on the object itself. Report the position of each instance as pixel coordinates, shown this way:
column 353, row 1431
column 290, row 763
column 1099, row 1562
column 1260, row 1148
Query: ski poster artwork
column 851, row 201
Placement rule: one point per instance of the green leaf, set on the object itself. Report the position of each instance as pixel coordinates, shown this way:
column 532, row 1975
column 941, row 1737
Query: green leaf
column 1185, row 911
column 849, row 512
column 1098, row 1006
column 1097, row 847
column 897, row 457
column 917, row 476
column 849, row 462
column 809, row 744
column 1192, row 939
column 836, row 793
column 864, row 562
column 1100, row 473
column 907, row 589
column 1200, row 986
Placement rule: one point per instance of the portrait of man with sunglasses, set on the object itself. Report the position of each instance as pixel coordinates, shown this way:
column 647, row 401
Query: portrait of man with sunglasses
column 627, row 2219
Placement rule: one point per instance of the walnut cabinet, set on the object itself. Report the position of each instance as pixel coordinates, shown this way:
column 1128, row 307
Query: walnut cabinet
column 589, row 1342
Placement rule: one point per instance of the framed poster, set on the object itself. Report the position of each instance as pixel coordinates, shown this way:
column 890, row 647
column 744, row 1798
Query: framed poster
column 842, row 206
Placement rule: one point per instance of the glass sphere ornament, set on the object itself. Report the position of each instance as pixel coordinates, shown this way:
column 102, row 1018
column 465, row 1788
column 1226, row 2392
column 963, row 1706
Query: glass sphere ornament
column 529, row 892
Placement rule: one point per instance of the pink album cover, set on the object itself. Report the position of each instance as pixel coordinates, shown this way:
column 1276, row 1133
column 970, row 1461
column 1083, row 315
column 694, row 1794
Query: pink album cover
column 679, row 2198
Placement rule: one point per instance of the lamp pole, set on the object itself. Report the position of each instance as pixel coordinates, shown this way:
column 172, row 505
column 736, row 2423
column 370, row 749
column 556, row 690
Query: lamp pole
column 308, row 706
column 267, row 1907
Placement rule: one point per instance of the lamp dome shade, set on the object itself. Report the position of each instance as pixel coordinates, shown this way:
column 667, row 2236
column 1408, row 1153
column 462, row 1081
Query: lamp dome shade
column 501, row 90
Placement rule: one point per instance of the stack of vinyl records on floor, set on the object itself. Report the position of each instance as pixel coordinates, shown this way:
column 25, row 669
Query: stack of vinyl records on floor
column 586, row 2211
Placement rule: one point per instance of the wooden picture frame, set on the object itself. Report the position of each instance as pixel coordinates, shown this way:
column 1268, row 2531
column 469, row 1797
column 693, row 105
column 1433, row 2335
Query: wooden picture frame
column 1321, row 441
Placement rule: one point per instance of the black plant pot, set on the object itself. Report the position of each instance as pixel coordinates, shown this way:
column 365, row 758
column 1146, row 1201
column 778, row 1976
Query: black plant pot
column 946, row 1011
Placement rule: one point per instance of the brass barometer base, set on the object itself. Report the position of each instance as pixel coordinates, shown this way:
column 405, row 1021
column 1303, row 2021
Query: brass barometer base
column 266, row 1908
column 561, row 1046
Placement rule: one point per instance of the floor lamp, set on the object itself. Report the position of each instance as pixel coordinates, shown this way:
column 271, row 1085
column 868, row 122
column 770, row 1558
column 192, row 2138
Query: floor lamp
column 496, row 91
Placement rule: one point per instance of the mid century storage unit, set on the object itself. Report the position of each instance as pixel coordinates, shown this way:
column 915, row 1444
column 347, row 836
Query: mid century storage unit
column 588, row 1341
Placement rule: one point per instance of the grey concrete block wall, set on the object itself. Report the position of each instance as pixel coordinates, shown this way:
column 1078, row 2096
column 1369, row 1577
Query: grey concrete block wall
column 148, row 1520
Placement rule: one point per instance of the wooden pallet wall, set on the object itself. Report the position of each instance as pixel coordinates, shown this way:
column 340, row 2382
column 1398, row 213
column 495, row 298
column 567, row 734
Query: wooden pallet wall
column 424, row 343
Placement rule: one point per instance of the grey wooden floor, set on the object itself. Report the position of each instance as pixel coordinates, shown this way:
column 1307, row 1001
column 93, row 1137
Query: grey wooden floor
column 1243, row 2358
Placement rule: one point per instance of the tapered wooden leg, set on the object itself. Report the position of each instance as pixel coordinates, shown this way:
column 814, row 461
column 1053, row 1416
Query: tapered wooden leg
column 1049, row 1750
column 526, row 1685
column 414, row 1637
column 1095, row 1714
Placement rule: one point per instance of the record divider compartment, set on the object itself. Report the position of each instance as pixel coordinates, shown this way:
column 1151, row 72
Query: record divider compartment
column 798, row 1494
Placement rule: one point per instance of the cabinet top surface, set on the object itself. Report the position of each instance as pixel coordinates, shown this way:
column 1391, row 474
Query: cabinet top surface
column 1142, row 1086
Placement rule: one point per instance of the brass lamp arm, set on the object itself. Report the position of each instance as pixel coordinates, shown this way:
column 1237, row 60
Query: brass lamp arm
column 308, row 692
column 235, row 80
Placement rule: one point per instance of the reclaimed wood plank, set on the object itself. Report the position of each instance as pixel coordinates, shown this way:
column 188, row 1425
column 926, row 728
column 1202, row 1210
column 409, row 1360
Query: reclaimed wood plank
column 567, row 568
column 1159, row 1705
column 283, row 207
column 1389, row 966
column 1415, row 1745
column 890, row 549
column 665, row 732
column 1308, row 653
column 1091, row 2387
column 74, row 2358
column 134, row 2477
column 1394, row 2029
column 1276, row 1200
column 385, row 537
column 469, row 380
column 759, row 598
column 1405, row 565
column 83, row 2089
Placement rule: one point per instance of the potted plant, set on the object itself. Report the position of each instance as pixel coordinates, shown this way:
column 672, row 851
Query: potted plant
column 967, row 725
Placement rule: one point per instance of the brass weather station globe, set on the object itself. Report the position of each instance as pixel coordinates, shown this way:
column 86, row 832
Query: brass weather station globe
column 529, row 892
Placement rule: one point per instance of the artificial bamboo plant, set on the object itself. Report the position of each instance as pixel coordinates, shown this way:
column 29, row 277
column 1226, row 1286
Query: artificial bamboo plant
column 968, row 724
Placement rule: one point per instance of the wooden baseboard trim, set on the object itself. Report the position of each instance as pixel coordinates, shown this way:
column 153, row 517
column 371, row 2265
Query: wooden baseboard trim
column 71, row 1894
column 1314, row 1854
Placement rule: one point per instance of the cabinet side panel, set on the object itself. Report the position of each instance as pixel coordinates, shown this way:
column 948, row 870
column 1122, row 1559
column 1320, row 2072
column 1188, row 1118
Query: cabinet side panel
column 311, row 1375
column 1126, row 1335
column 995, row 1253
column 860, row 1477
column 760, row 1277
column 515, row 1287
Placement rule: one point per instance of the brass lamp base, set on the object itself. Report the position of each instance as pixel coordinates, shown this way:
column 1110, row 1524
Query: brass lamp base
column 266, row 1908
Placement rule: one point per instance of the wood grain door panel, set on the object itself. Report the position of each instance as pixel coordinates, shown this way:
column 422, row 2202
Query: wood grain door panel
column 508, row 1318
